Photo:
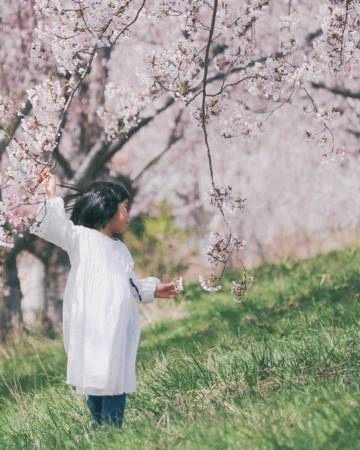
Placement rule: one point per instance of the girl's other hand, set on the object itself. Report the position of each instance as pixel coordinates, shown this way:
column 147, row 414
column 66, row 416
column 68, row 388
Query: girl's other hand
column 166, row 290
column 49, row 184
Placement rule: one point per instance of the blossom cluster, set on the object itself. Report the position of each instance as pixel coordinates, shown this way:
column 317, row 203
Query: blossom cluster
column 338, row 46
column 214, row 107
column 238, row 288
column 219, row 251
column 38, row 129
column 121, row 109
column 221, row 247
column 177, row 70
column 28, row 151
column 69, row 30
column 209, row 284
column 179, row 285
column 223, row 198
column 7, row 110
column 243, row 125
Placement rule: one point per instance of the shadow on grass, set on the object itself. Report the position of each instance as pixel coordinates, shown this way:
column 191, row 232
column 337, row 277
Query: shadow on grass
column 207, row 337
column 13, row 381
column 347, row 434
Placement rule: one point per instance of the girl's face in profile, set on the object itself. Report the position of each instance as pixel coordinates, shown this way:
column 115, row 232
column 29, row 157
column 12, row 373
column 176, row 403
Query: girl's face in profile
column 120, row 220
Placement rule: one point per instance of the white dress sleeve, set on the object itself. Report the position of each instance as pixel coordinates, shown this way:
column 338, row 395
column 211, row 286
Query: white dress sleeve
column 55, row 226
column 144, row 288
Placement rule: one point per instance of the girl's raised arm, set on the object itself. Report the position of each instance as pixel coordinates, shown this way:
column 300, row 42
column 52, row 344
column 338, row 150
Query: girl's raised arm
column 55, row 226
column 145, row 287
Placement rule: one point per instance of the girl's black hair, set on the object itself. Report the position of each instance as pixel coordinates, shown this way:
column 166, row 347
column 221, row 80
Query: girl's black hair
column 94, row 205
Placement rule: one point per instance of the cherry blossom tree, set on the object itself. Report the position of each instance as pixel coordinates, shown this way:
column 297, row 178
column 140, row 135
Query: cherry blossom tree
column 94, row 75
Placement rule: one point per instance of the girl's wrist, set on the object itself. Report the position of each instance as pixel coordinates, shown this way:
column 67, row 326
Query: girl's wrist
column 49, row 197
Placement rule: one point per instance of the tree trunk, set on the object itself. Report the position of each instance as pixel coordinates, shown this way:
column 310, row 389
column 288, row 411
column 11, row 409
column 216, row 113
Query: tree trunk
column 56, row 263
column 57, row 268
column 10, row 296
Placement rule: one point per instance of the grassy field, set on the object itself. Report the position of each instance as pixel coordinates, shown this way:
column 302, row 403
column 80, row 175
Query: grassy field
column 280, row 371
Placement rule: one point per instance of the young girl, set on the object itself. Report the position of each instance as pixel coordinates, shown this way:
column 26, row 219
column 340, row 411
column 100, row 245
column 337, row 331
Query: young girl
column 101, row 320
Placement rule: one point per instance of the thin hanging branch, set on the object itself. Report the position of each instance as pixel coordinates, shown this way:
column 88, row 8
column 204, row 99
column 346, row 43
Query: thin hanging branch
column 239, row 287
column 203, row 103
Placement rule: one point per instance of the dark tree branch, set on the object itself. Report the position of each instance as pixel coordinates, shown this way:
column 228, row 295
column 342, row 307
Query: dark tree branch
column 63, row 162
column 205, row 80
column 337, row 90
column 63, row 115
column 355, row 133
column 173, row 138
column 129, row 24
column 103, row 151
column 311, row 36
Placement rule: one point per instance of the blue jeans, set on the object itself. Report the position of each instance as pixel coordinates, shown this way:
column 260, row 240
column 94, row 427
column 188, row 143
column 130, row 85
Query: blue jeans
column 107, row 409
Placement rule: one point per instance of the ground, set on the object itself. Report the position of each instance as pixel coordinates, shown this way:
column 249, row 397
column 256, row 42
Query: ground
column 279, row 371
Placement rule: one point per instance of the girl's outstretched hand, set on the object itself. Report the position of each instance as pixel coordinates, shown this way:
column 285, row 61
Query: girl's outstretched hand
column 166, row 290
column 49, row 184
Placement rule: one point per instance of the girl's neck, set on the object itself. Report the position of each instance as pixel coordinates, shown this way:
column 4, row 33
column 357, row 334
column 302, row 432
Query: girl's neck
column 106, row 233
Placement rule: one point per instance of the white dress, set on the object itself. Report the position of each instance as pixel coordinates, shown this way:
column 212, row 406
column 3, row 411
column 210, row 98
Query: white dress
column 101, row 320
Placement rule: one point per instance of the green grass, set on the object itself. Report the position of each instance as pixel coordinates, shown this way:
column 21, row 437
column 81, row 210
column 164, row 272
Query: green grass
column 279, row 371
